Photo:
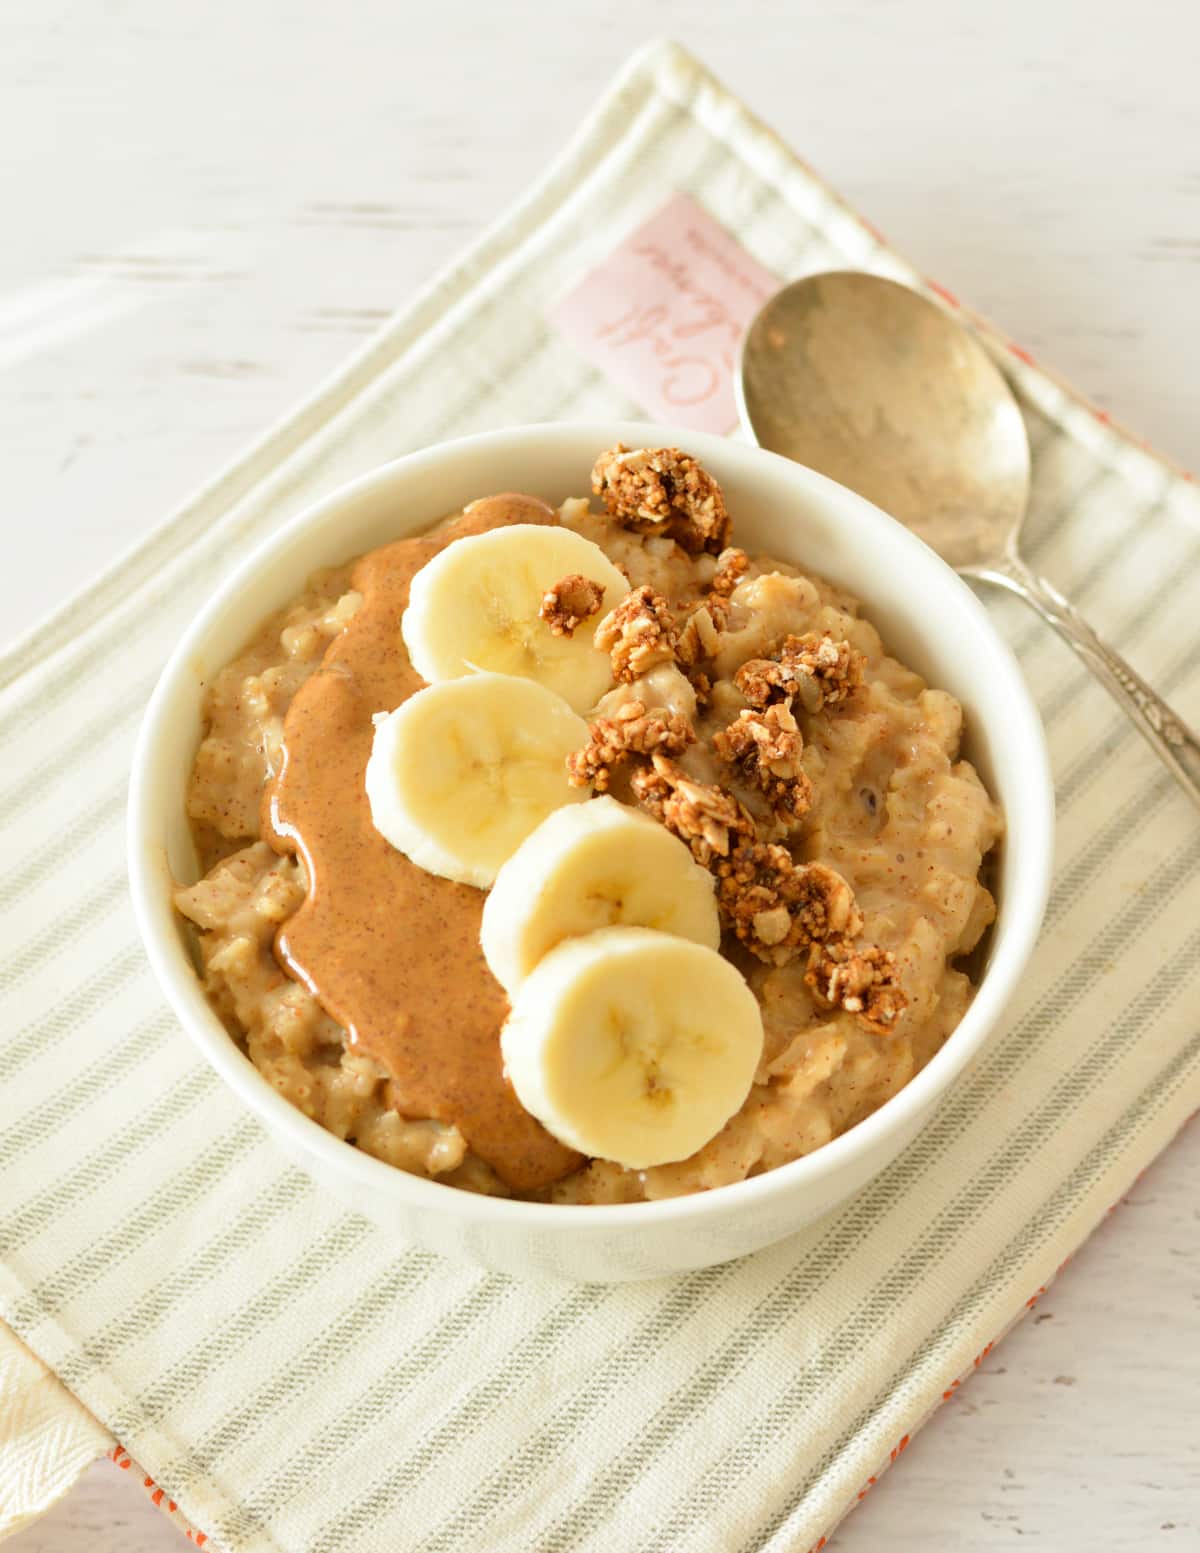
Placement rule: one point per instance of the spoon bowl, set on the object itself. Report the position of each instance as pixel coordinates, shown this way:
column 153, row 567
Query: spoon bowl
column 875, row 385
column 899, row 403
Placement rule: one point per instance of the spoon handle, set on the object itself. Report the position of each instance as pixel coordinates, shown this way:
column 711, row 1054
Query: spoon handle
column 1172, row 741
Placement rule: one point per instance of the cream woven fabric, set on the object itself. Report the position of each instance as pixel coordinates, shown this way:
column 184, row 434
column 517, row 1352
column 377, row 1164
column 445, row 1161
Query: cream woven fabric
column 46, row 1437
column 298, row 1382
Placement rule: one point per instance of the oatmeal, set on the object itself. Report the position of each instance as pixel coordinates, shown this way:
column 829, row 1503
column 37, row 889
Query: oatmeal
column 753, row 713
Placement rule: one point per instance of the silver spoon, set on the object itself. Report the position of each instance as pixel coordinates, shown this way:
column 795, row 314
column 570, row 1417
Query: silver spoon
column 868, row 382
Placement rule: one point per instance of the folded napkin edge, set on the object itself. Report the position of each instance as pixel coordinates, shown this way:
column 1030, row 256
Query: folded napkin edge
column 48, row 1438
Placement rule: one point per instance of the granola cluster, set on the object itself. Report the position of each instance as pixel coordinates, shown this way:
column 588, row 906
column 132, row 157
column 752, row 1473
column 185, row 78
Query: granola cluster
column 813, row 668
column 708, row 818
column 638, row 634
column 860, row 978
column 766, row 746
column 631, row 730
column 778, row 907
column 663, row 491
column 701, row 633
column 732, row 566
column 775, row 906
column 570, row 602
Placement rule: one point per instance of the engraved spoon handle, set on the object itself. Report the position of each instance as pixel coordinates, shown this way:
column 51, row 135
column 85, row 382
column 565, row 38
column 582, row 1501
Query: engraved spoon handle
column 1172, row 741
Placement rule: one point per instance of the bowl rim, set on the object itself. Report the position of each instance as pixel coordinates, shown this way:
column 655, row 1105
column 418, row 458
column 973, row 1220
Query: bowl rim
column 1022, row 908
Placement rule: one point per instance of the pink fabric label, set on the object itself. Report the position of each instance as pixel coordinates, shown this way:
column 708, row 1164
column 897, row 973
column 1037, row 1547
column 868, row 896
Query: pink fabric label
column 663, row 314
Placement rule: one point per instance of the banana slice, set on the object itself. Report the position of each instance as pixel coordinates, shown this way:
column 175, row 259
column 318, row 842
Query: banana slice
column 594, row 865
column 632, row 1045
column 475, row 606
column 461, row 772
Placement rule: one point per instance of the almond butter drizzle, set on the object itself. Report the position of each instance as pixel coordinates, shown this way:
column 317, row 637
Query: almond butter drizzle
column 390, row 951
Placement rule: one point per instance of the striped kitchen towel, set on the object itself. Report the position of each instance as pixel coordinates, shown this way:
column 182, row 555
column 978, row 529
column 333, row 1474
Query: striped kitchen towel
column 297, row 1381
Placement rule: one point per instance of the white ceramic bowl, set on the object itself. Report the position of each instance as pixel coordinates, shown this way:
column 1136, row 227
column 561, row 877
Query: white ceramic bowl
column 928, row 618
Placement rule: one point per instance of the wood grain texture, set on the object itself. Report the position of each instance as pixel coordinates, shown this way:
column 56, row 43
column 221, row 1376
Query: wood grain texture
column 206, row 208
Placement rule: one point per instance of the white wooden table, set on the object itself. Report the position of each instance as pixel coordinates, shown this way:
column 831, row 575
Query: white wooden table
column 206, row 207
